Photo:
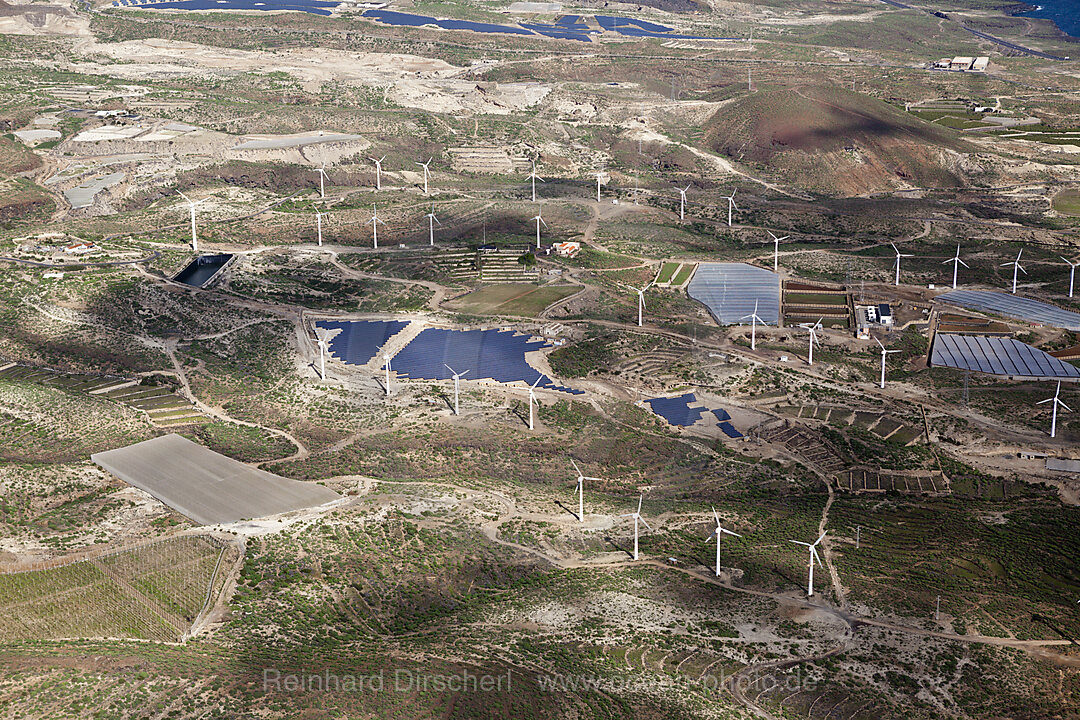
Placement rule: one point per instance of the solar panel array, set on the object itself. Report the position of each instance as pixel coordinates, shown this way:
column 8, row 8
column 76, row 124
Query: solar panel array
column 1013, row 306
column 359, row 340
column 730, row 290
column 486, row 354
column 677, row 411
column 997, row 356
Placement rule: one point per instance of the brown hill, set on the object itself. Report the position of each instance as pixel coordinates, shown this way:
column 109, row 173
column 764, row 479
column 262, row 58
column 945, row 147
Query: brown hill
column 835, row 141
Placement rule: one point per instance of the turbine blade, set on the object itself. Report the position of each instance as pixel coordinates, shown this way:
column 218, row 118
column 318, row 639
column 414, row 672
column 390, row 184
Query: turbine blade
column 716, row 516
column 963, row 263
column 800, row 542
column 644, row 522
column 1064, row 406
column 639, row 499
column 576, row 468
column 729, row 532
column 1047, row 400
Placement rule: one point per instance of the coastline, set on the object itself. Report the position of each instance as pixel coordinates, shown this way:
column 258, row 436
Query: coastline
column 1020, row 9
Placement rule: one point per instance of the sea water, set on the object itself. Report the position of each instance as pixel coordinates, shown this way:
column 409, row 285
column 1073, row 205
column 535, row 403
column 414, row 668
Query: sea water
column 1064, row 13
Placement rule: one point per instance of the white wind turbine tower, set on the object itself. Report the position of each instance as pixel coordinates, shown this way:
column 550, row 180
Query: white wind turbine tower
column 682, row 202
column 532, row 399
column 1056, row 400
column 378, row 171
column 637, row 516
column 431, row 220
column 539, row 220
column 716, row 534
column 425, row 166
column 884, row 352
column 534, row 177
column 193, row 204
column 599, row 174
column 1072, row 273
column 641, row 300
column 580, row 492
column 386, row 357
column 813, row 556
column 1016, row 266
column 898, row 256
column 320, row 338
column 457, row 377
column 730, row 205
column 813, row 328
column 318, row 222
column 957, row 262
column 375, row 222
column 754, row 320
column 322, row 180
column 776, row 251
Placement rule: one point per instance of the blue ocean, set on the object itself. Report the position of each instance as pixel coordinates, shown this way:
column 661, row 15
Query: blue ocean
column 1064, row 13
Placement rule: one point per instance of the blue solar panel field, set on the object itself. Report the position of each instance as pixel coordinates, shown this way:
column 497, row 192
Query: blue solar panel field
column 730, row 291
column 486, row 354
column 358, row 341
column 677, row 411
column 1013, row 306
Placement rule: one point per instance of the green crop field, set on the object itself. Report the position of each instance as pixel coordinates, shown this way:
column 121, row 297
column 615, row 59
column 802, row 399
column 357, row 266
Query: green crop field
column 512, row 299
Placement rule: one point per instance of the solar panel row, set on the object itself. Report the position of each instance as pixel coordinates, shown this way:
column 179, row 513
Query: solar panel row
column 677, row 410
column 731, row 290
column 729, row 430
column 359, row 340
column 997, row 356
column 485, row 354
column 1013, row 306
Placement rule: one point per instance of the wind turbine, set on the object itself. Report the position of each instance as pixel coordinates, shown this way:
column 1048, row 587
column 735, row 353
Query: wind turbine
column 532, row 399
column 457, row 376
column 898, row 256
column 813, row 336
column 640, row 298
column 538, row 219
column 318, row 222
column 957, row 262
column 716, row 534
column 378, row 171
column 425, row 166
column 1016, row 266
column 776, row 251
column 375, row 222
column 1072, row 273
column 1056, row 400
column 320, row 338
column 754, row 320
column 884, row 352
column 599, row 173
column 637, row 516
column 534, row 177
column 322, row 180
column 580, row 492
column 386, row 357
column 682, row 202
column 193, row 204
column 730, row 205
column 431, row 225
column 813, row 556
